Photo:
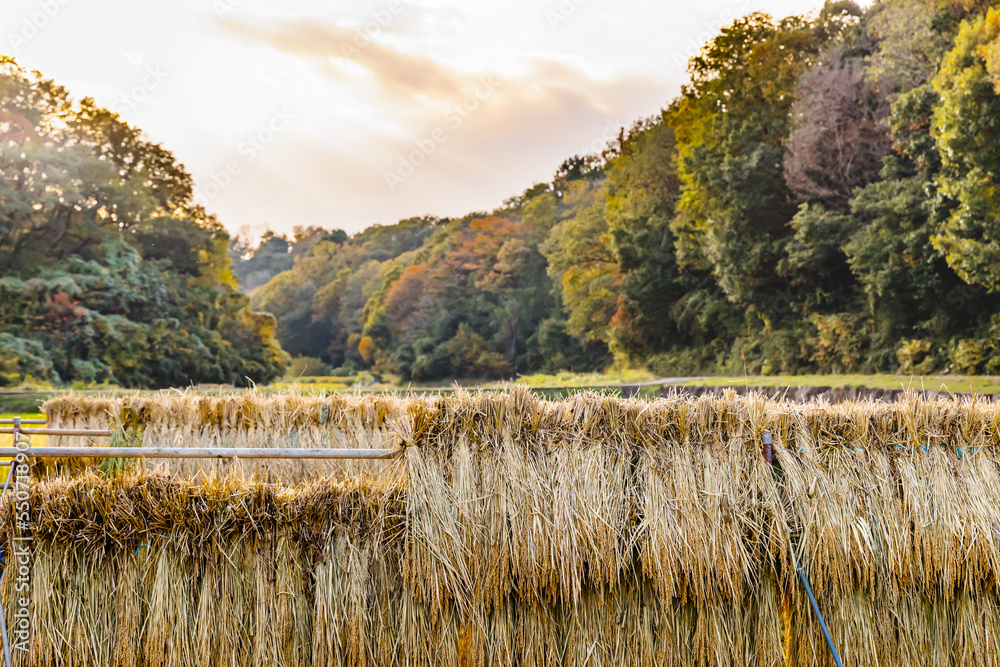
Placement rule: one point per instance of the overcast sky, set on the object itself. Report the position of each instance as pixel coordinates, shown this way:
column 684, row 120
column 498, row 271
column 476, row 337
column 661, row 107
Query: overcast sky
column 345, row 114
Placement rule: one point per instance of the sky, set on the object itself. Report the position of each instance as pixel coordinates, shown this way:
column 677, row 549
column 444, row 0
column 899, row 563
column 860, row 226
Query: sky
column 344, row 114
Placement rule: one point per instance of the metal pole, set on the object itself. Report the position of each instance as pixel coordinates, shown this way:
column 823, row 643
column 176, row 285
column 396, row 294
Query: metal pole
column 769, row 457
column 203, row 453
column 10, row 475
column 27, row 430
column 3, row 611
column 10, row 468
column 3, row 631
column 822, row 623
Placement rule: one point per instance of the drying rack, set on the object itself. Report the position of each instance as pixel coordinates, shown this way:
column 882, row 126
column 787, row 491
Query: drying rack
column 22, row 435
column 22, row 446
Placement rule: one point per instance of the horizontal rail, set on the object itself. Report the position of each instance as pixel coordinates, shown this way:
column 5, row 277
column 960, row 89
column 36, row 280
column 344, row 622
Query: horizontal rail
column 8, row 420
column 200, row 453
column 97, row 433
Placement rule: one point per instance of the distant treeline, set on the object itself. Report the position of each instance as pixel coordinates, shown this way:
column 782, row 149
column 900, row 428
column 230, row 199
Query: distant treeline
column 824, row 195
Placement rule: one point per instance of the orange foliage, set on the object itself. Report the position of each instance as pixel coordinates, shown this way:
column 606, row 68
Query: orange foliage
column 405, row 293
column 476, row 247
column 367, row 348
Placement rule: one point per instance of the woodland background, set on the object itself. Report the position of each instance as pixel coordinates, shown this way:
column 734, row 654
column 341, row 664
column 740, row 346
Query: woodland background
column 823, row 196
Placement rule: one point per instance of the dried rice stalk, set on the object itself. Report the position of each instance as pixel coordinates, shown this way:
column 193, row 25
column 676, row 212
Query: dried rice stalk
column 170, row 638
column 522, row 531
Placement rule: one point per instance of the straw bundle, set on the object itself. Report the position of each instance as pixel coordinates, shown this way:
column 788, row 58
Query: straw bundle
column 590, row 531
column 238, row 420
column 507, row 492
column 146, row 570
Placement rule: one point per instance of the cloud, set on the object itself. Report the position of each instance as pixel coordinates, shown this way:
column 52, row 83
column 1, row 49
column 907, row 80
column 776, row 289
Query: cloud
column 473, row 136
column 335, row 48
column 559, row 90
column 408, row 75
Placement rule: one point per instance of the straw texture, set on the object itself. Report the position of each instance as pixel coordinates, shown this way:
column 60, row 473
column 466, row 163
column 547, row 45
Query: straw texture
column 514, row 530
column 237, row 420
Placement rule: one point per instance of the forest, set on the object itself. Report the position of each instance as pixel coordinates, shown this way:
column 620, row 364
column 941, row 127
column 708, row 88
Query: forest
column 822, row 196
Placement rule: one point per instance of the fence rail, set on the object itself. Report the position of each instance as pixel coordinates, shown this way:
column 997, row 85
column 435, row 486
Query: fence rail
column 19, row 432
column 167, row 452
column 200, row 453
column 97, row 433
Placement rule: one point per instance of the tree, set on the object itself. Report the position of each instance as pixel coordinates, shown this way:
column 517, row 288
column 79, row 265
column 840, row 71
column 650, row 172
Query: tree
column 967, row 130
column 903, row 279
column 730, row 123
column 642, row 193
column 105, row 261
column 580, row 261
column 472, row 357
column 809, row 202
column 840, row 133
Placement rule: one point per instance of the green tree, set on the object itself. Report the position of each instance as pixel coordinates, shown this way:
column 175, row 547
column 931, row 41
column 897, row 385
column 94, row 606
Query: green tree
column 105, row 261
column 730, row 122
column 642, row 192
column 582, row 264
column 967, row 130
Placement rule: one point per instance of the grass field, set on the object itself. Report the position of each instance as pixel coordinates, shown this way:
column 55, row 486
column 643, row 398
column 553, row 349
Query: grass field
column 316, row 383
column 567, row 379
column 954, row 383
column 981, row 384
column 8, row 440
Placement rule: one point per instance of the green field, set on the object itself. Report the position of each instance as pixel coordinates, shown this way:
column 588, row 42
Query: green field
column 587, row 379
column 316, row 383
column 8, row 440
column 979, row 384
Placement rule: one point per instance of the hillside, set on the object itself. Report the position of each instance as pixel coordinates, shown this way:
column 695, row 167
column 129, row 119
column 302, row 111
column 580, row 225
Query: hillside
column 822, row 197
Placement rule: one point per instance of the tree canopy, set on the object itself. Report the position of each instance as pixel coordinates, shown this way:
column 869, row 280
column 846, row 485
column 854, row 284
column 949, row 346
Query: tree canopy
column 821, row 196
column 108, row 270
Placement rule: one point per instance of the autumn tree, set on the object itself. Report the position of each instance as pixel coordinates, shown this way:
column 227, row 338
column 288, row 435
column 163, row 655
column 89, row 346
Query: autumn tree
column 730, row 122
column 840, row 133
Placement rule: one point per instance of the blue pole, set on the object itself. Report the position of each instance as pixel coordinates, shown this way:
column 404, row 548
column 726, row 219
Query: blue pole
column 768, row 453
column 822, row 623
